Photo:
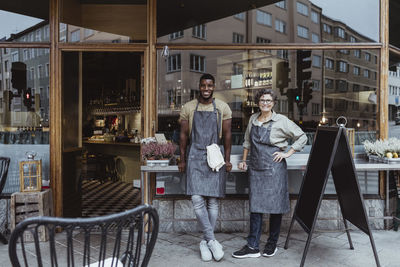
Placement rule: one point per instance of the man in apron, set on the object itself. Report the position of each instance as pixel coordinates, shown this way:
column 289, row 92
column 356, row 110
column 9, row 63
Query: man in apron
column 205, row 120
column 266, row 139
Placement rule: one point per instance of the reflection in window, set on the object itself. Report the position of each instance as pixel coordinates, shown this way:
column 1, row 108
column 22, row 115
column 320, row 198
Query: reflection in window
column 237, row 38
column 264, row 18
column 199, row 31
column 342, row 66
column 240, row 16
column 76, row 36
column 327, row 28
column 367, row 56
column 329, row 63
column 339, row 32
column 281, row 4
column 353, row 39
column 366, row 73
column 341, row 85
column 356, row 71
column 280, row 26
column 315, row 85
column 302, row 31
column 316, row 61
column 14, row 57
column 88, row 32
column 174, row 63
column 315, row 109
column 261, row 40
column 314, row 16
column 328, row 83
column 302, row 8
column 315, row 38
column 357, row 53
column 282, row 54
column 197, row 63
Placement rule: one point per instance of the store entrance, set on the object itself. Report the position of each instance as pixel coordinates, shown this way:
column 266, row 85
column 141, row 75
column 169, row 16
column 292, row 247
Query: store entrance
column 101, row 132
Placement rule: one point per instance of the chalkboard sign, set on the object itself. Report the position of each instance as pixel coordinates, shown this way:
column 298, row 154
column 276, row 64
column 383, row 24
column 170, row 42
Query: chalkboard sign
column 315, row 177
column 330, row 152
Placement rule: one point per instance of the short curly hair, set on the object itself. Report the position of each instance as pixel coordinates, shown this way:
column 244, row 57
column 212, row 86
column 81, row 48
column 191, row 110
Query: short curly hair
column 265, row 91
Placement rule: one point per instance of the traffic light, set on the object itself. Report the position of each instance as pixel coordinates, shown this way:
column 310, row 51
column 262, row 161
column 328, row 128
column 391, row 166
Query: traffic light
column 307, row 92
column 282, row 74
column 28, row 98
column 303, row 64
column 298, row 95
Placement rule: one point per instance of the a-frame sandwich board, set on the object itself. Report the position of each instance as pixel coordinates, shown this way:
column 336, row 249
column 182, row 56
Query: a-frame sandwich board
column 330, row 152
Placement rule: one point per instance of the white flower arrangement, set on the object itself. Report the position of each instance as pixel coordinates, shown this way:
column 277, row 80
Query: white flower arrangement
column 383, row 148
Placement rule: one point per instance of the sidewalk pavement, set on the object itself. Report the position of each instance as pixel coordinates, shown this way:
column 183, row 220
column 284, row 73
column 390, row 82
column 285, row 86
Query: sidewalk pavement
column 327, row 249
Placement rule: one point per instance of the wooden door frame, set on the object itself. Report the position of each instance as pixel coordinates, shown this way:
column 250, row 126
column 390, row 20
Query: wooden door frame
column 149, row 92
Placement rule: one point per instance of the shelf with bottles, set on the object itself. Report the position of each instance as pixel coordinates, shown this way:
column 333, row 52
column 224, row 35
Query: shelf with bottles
column 257, row 78
column 119, row 109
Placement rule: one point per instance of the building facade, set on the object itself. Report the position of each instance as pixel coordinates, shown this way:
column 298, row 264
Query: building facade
column 320, row 67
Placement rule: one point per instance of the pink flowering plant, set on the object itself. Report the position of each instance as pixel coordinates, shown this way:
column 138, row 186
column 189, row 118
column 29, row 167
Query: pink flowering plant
column 157, row 151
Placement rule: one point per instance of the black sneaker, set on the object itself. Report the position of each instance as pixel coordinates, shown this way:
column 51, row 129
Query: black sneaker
column 270, row 250
column 246, row 252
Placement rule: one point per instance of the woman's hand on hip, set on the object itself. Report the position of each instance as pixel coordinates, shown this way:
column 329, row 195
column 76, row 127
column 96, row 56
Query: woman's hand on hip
column 278, row 156
column 242, row 165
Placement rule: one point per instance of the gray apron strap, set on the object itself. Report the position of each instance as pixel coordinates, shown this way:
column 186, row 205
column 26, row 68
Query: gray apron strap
column 219, row 116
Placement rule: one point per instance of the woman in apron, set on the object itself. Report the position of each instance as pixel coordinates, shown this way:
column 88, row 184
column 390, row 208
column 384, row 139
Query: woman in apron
column 266, row 139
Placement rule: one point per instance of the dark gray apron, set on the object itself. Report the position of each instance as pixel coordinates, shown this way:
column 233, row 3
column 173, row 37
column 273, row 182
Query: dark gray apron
column 200, row 178
column 268, row 179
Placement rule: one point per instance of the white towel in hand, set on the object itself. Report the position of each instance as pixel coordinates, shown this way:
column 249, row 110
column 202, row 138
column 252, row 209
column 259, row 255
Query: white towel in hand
column 214, row 157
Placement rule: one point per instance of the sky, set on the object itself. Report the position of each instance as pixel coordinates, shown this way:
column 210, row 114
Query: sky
column 361, row 15
column 13, row 23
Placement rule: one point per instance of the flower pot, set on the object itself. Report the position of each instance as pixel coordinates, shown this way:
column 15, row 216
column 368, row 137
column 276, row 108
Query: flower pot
column 159, row 163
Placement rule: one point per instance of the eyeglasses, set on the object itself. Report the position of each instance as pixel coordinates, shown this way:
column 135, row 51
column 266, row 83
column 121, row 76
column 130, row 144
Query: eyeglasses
column 266, row 101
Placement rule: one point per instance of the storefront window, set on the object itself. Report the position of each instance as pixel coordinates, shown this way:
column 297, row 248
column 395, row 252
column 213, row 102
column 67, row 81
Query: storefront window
column 290, row 21
column 103, row 21
column 303, row 97
column 24, row 108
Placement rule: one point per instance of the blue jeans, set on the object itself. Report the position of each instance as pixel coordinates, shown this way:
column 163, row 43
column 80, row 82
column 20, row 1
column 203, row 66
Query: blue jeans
column 253, row 239
column 206, row 211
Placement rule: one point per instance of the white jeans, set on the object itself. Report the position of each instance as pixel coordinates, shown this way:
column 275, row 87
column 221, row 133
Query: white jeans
column 206, row 209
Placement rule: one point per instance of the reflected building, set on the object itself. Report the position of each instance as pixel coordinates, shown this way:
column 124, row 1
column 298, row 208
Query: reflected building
column 26, row 70
column 394, row 93
column 350, row 78
column 239, row 74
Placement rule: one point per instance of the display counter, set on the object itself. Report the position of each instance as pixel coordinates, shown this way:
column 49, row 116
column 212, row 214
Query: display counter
column 296, row 166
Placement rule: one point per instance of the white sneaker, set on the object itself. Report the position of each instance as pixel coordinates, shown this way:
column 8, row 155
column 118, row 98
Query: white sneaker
column 216, row 249
column 205, row 251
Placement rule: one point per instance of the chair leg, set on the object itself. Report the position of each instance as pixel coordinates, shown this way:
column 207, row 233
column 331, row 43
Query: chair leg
column 3, row 239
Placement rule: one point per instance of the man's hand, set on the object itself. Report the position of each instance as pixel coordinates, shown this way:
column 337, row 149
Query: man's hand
column 228, row 166
column 182, row 166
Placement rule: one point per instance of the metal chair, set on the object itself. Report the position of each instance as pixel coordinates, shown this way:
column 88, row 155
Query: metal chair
column 4, row 164
column 121, row 239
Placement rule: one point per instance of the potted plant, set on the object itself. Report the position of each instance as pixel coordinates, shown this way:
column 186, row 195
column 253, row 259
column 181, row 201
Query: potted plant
column 157, row 153
column 383, row 150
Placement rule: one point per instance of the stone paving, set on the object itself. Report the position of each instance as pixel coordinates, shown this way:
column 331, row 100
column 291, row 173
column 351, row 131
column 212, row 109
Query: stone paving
column 326, row 249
